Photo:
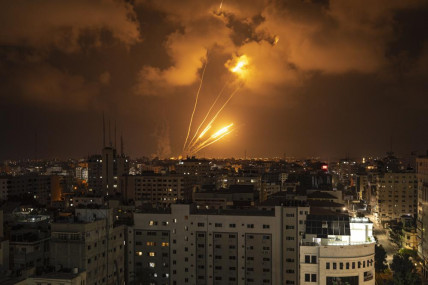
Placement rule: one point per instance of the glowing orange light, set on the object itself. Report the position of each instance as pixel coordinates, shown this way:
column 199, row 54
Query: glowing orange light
column 204, row 131
column 221, row 131
column 239, row 66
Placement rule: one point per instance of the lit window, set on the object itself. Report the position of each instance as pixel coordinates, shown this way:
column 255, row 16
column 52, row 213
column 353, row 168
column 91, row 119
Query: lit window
column 139, row 253
column 150, row 243
column 152, row 264
column 151, row 223
column 165, row 244
column 151, row 253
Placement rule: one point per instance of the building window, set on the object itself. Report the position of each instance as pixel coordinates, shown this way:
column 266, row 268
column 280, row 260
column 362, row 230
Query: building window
column 347, row 265
column 313, row 278
column 334, row 265
column 327, row 265
column 307, row 278
column 313, row 259
column 307, row 259
column 341, row 265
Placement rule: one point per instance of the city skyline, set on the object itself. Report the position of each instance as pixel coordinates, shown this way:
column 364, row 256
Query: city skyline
column 326, row 78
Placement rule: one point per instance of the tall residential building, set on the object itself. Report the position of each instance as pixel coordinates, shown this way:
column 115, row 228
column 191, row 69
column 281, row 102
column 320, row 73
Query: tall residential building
column 29, row 251
column 90, row 242
column 187, row 245
column 32, row 185
column 397, row 195
column 422, row 221
column 153, row 188
column 337, row 249
column 95, row 174
column 4, row 249
column 113, row 167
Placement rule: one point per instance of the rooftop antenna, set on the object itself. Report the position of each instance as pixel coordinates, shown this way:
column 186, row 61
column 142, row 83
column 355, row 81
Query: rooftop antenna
column 115, row 145
column 35, row 145
column 104, row 132
column 121, row 144
column 109, row 132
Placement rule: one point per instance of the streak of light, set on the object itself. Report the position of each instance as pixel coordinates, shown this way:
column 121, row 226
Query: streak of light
column 193, row 141
column 196, row 103
column 224, row 105
column 204, row 131
column 222, row 131
column 211, row 138
column 221, row 4
column 214, row 141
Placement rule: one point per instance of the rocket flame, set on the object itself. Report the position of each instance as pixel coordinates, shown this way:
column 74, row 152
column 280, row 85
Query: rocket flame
column 204, row 131
column 241, row 65
column 221, row 131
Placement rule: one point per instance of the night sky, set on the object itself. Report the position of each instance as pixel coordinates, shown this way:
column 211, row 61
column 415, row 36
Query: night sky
column 325, row 78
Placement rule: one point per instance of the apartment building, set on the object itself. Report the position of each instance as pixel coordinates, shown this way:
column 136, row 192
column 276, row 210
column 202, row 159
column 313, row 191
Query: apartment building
column 397, row 195
column 90, row 242
column 187, row 245
column 422, row 220
column 153, row 188
column 337, row 249
column 33, row 185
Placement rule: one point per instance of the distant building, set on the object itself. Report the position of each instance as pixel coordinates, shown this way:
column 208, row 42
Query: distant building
column 153, row 188
column 29, row 185
column 95, row 174
column 241, row 196
column 4, row 249
column 397, row 195
column 422, row 221
column 64, row 278
column 90, row 242
column 410, row 239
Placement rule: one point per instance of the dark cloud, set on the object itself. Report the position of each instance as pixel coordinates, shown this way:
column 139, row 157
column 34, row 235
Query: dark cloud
column 324, row 77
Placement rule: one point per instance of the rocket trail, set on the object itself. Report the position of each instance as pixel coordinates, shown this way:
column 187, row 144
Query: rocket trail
column 196, row 103
column 219, row 138
column 224, row 105
column 193, row 141
column 213, row 119
column 214, row 137
column 221, row 4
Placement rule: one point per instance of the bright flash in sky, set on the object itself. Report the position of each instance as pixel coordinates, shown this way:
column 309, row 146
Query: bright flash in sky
column 241, row 64
column 221, row 131
column 204, row 131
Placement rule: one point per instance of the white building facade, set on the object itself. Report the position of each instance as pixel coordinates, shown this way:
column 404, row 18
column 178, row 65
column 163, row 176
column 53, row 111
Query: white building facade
column 337, row 250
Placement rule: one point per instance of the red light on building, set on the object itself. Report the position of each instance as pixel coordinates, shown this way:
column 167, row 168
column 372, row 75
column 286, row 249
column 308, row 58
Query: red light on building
column 324, row 167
